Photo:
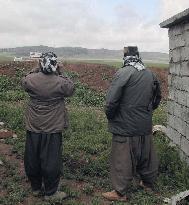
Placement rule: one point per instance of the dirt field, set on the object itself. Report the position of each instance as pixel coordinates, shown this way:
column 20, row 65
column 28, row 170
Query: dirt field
column 96, row 76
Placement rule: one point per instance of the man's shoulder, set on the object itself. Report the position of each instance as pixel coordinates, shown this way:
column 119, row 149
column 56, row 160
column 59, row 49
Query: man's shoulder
column 36, row 76
column 33, row 74
column 126, row 70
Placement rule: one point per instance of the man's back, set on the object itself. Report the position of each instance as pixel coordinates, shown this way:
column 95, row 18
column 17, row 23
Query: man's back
column 138, row 89
column 129, row 99
column 47, row 87
column 46, row 110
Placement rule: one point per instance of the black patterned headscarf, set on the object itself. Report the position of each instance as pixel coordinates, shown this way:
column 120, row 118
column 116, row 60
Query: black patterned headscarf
column 48, row 63
column 132, row 58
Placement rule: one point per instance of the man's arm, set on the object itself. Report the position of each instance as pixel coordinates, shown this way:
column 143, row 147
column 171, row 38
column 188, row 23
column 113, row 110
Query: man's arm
column 115, row 92
column 156, row 93
column 24, row 83
column 24, row 80
column 67, row 86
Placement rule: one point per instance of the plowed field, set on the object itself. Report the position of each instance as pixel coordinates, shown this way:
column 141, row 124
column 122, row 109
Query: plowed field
column 96, row 76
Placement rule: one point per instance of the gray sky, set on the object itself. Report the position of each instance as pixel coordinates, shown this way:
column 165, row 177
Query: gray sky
column 108, row 24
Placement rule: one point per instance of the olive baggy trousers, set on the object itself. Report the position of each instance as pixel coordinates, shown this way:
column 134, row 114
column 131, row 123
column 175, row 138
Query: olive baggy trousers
column 131, row 156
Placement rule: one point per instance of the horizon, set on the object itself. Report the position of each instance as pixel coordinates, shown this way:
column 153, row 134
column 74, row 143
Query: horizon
column 78, row 47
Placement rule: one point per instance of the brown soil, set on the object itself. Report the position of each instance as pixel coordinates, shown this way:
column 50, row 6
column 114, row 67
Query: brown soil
column 5, row 133
column 96, row 76
column 11, row 68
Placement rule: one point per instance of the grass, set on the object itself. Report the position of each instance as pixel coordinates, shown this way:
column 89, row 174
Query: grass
column 118, row 63
column 6, row 57
column 12, row 183
column 86, row 150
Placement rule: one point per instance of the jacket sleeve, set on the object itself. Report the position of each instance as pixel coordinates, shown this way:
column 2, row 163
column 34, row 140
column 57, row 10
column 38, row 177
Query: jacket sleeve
column 67, row 86
column 24, row 83
column 156, row 93
column 25, row 79
column 115, row 92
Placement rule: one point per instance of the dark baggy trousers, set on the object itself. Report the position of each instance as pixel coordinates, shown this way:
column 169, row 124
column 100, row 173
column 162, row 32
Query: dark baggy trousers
column 131, row 155
column 42, row 160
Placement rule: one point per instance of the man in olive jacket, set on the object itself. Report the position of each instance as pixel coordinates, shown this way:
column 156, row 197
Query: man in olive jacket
column 45, row 119
column 133, row 95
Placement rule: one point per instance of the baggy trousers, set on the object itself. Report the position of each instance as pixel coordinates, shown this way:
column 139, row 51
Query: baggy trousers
column 131, row 155
column 42, row 160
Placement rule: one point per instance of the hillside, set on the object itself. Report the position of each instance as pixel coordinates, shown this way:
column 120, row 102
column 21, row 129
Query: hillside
column 83, row 53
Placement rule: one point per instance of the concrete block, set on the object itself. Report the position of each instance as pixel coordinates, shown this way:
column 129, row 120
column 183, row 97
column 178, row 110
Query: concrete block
column 186, row 38
column 187, row 99
column 171, row 93
column 176, row 55
column 184, row 70
column 185, row 114
column 170, row 120
column 185, row 83
column 170, row 107
column 178, row 68
column 169, row 80
column 185, row 145
column 178, row 109
column 180, row 97
column 177, row 41
column 184, row 54
column 187, row 131
column 174, row 135
column 177, row 82
column 178, row 125
column 184, row 129
column 175, row 30
column 171, row 68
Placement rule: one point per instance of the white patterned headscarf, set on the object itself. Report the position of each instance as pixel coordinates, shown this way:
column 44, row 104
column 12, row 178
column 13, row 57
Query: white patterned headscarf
column 48, row 62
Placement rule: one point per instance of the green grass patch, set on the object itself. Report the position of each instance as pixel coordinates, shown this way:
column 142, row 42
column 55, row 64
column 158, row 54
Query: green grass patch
column 117, row 63
column 12, row 184
column 157, row 65
column 86, row 148
column 6, row 57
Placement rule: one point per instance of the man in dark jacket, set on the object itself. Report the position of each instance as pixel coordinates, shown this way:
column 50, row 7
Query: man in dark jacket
column 45, row 119
column 133, row 95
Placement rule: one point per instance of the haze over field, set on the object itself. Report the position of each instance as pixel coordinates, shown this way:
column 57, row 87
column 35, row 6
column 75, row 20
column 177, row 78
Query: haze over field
column 90, row 24
column 83, row 53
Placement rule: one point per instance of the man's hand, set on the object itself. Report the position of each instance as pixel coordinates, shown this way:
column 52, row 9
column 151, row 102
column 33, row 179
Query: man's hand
column 59, row 70
column 35, row 70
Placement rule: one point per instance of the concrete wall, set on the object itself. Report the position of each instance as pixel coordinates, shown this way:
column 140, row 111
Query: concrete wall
column 178, row 100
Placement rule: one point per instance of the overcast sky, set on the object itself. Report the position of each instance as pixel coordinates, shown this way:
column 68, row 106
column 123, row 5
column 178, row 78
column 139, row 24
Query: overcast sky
column 110, row 24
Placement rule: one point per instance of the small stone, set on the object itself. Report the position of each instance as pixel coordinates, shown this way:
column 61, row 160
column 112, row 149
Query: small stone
column 1, row 162
column 159, row 128
column 15, row 136
column 167, row 200
column 2, row 124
